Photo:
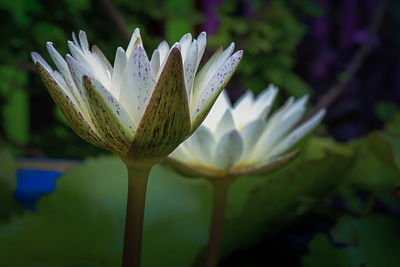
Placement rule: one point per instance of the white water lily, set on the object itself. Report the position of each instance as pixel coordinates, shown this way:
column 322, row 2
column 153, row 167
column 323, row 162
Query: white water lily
column 139, row 108
column 244, row 139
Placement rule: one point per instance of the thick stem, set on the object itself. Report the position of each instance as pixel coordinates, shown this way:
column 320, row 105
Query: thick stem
column 220, row 196
column 137, row 185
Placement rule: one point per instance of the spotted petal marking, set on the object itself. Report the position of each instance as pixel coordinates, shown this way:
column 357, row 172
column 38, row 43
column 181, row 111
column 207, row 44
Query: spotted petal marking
column 165, row 122
column 109, row 117
column 213, row 89
column 70, row 110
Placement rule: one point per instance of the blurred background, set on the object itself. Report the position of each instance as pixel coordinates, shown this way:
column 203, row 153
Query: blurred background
column 345, row 54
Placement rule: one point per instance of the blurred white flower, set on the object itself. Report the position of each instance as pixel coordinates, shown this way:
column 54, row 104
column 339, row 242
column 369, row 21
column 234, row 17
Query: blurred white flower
column 244, row 139
column 138, row 108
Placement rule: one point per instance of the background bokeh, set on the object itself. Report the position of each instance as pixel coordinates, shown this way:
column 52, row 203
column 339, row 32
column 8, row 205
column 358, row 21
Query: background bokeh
column 345, row 54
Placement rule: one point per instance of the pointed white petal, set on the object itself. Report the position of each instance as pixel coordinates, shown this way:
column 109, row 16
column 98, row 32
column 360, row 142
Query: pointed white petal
column 272, row 133
column 264, row 101
column 101, row 59
column 298, row 133
column 250, row 133
column 226, row 124
column 185, row 43
column 204, row 70
column 298, row 106
column 202, row 84
column 201, row 45
column 38, row 58
column 135, row 40
column 77, row 53
column 217, row 83
column 137, row 85
column 242, row 108
column 62, row 66
column 189, row 67
column 163, row 49
column 118, row 72
column 228, row 151
column 217, row 111
column 75, row 40
column 155, row 62
column 201, row 145
column 78, row 71
column 182, row 154
column 83, row 41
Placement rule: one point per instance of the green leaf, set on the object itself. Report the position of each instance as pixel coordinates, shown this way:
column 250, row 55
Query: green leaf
column 368, row 241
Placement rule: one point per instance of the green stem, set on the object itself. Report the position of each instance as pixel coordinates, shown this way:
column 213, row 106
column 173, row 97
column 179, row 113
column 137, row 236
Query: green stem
column 137, row 185
column 220, row 196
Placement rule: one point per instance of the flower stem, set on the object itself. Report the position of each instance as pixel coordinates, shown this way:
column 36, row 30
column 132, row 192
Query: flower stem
column 220, row 196
column 137, row 184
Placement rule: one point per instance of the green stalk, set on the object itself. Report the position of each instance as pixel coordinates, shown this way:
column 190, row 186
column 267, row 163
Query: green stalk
column 220, row 196
column 137, row 184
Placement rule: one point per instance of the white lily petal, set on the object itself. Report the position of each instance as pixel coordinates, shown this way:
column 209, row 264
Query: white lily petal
column 264, row 101
column 77, row 53
column 155, row 62
column 185, row 43
column 214, row 68
column 38, row 58
column 135, row 40
column 119, row 69
column 228, row 151
column 298, row 133
column 83, row 41
column 215, row 86
column 201, row 46
column 182, row 154
column 273, row 131
column 163, row 49
column 217, row 111
column 101, row 59
column 137, row 85
column 78, row 71
column 76, row 42
column 226, row 124
column 62, row 66
column 189, row 67
column 250, row 133
column 202, row 144
column 242, row 108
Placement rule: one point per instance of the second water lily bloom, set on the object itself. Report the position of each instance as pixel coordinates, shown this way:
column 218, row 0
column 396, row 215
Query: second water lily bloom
column 240, row 140
column 139, row 108
column 244, row 139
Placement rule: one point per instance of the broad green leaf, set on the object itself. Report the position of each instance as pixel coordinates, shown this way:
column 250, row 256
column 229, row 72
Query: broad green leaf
column 369, row 241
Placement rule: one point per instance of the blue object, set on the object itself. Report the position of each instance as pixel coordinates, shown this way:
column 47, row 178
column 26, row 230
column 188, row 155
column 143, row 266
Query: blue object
column 31, row 184
column 36, row 178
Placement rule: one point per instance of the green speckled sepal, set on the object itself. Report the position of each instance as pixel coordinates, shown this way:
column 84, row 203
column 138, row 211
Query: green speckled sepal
column 166, row 121
column 77, row 120
column 109, row 117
